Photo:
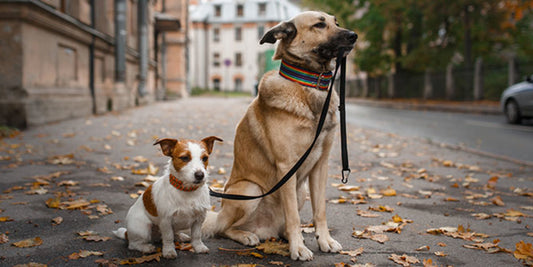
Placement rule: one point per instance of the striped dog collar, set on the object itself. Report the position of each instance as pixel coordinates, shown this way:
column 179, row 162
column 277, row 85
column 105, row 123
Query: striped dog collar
column 178, row 184
column 304, row 77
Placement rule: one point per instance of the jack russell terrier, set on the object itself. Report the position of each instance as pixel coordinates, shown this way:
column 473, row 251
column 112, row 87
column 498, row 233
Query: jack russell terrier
column 177, row 201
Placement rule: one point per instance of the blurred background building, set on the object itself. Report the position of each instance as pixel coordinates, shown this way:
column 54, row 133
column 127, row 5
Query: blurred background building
column 224, row 42
column 61, row 59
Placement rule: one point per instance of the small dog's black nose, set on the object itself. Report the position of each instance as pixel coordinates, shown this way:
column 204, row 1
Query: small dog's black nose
column 199, row 175
column 351, row 36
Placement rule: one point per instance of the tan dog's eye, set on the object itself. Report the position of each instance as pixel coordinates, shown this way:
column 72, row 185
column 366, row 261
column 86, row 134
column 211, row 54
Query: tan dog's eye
column 185, row 158
column 320, row 25
column 205, row 158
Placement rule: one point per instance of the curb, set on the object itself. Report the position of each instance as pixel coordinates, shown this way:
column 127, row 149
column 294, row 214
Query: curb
column 457, row 107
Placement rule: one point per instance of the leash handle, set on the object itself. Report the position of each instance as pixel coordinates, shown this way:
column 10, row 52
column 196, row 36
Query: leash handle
column 342, row 114
column 302, row 159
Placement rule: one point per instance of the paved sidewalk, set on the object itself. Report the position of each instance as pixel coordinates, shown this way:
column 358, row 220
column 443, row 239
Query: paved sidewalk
column 61, row 180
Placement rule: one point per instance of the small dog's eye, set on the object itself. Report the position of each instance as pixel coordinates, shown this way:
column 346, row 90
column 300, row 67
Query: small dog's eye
column 185, row 158
column 204, row 159
column 320, row 25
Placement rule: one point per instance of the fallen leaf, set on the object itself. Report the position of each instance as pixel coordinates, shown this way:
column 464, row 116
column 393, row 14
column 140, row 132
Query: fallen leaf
column 451, row 199
column 481, row 216
column 423, row 248
column 6, row 219
column 273, row 246
column 389, row 192
column 84, row 254
column 497, row 200
column 57, row 220
column 440, row 254
column 352, row 253
column 404, row 259
column 382, row 208
column 367, row 214
column 117, row 178
column 62, row 159
column 492, row 182
column 68, row 183
column 53, row 203
column 141, row 260
column 140, row 159
column 524, row 251
column 4, row 238
column 28, row 243
column 428, row 263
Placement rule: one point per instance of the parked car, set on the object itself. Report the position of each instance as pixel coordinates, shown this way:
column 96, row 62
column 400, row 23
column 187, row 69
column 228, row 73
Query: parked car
column 517, row 101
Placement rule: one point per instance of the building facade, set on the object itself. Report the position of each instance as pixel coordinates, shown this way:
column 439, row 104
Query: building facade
column 62, row 59
column 224, row 38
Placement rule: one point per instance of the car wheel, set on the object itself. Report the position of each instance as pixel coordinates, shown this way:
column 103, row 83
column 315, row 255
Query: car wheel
column 512, row 112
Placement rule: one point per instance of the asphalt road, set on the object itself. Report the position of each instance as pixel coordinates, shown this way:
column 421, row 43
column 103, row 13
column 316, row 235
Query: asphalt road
column 486, row 133
column 60, row 180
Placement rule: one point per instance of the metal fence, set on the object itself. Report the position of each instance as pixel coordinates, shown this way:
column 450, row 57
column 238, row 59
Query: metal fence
column 494, row 77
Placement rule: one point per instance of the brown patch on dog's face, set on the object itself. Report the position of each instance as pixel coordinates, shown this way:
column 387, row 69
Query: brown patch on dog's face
column 311, row 39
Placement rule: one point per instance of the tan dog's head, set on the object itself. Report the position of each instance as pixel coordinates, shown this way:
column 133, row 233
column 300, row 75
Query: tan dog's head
column 310, row 39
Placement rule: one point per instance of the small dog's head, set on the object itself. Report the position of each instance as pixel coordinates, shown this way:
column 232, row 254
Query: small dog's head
column 189, row 158
column 310, row 39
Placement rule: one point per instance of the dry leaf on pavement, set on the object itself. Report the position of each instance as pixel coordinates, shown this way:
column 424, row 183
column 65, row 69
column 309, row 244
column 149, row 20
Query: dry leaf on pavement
column 28, row 243
column 524, row 251
column 273, row 246
column 4, row 238
column 404, row 259
column 84, row 254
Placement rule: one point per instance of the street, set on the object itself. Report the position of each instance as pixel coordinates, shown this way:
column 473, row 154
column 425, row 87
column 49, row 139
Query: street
column 65, row 186
column 488, row 133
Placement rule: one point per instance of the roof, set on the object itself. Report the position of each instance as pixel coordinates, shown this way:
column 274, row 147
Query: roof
column 276, row 10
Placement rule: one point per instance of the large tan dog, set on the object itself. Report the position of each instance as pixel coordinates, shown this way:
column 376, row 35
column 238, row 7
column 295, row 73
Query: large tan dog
column 276, row 130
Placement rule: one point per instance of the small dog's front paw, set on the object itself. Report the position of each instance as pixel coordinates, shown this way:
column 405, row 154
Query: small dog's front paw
column 144, row 248
column 182, row 237
column 169, row 253
column 329, row 244
column 201, row 248
column 250, row 239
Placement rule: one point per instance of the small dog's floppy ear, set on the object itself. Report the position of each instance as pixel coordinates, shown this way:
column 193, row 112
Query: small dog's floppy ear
column 285, row 31
column 167, row 145
column 209, row 143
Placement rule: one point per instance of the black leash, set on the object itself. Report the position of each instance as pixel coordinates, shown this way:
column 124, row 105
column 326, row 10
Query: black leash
column 341, row 61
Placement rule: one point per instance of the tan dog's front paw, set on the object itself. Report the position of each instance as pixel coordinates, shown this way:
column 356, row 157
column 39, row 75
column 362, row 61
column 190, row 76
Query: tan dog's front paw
column 301, row 252
column 169, row 252
column 329, row 244
column 201, row 248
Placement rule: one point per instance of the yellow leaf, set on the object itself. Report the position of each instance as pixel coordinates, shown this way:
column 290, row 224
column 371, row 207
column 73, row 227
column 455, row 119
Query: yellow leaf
column 53, row 203
column 28, row 243
column 6, row 219
column 397, row 219
column 523, row 251
column 389, row 192
column 273, row 246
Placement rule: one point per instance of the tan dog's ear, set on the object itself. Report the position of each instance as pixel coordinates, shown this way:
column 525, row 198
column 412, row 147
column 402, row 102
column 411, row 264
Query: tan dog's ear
column 284, row 31
column 209, row 143
column 167, row 145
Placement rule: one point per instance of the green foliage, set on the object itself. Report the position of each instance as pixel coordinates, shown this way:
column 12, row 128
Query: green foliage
column 413, row 35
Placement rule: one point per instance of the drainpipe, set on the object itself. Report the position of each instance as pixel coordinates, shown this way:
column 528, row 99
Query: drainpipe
column 120, row 40
column 163, row 59
column 142, row 25
column 91, row 58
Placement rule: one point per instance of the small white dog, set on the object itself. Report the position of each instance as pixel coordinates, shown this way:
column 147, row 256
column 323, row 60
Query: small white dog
column 177, row 201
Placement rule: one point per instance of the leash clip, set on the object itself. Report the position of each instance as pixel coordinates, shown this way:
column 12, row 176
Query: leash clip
column 345, row 175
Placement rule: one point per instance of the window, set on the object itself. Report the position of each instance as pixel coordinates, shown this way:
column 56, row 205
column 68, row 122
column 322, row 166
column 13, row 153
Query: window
column 240, row 10
column 262, row 9
column 238, row 59
column 216, row 34
column 260, row 31
column 216, row 59
column 238, row 33
column 218, row 10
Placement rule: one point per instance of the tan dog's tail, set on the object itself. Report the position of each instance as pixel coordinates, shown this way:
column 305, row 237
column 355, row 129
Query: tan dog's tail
column 209, row 227
column 121, row 233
